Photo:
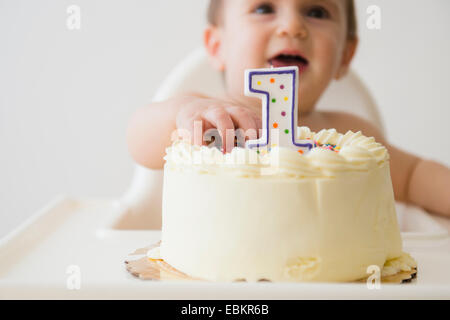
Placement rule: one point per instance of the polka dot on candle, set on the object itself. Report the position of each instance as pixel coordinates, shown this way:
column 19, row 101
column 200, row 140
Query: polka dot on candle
column 286, row 131
column 274, row 100
column 282, row 87
column 272, row 80
column 259, row 83
column 283, row 113
column 275, row 125
column 286, row 98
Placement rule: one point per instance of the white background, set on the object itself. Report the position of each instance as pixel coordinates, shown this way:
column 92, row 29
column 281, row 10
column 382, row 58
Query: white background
column 66, row 96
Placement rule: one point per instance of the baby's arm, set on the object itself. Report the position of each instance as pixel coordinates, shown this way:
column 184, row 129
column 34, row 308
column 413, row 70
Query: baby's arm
column 429, row 186
column 418, row 181
column 150, row 129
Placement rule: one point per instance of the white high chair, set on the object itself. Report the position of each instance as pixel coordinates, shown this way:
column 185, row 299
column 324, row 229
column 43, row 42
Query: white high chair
column 143, row 198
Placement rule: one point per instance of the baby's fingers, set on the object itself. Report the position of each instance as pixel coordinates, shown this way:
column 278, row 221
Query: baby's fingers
column 220, row 119
column 258, row 124
column 244, row 120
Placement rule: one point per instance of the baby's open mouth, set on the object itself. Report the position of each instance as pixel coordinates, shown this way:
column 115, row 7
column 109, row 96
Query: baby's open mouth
column 285, row 60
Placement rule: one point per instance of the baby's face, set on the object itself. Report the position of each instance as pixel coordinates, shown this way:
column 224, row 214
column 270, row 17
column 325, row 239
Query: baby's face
column 311, row 34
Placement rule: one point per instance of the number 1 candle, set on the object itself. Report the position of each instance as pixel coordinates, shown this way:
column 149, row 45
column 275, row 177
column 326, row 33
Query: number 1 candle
column 277, row 88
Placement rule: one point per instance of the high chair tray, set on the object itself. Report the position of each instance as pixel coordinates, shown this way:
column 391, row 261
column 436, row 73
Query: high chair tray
column 74, row 239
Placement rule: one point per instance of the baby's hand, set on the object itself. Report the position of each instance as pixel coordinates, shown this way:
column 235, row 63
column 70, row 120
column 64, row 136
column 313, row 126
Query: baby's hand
column 224, row 116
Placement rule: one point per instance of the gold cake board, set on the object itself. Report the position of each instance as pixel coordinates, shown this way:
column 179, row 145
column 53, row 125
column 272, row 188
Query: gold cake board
column 157, row 269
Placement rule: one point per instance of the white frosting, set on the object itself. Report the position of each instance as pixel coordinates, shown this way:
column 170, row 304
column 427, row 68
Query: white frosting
column 322, row 216
column 403, row 263
column 356, row 153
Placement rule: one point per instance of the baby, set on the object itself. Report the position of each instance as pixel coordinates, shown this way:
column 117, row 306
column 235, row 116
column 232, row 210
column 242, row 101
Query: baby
column 318, row 36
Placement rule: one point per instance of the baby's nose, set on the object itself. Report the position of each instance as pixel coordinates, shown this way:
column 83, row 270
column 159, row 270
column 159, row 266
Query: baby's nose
column 292, row 25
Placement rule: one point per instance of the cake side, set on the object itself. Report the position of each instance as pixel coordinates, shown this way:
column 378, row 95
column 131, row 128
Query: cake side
column 323, row 216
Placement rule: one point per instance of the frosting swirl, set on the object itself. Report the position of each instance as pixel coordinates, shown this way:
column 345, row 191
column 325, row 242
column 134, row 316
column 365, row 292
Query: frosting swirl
column 353, row 152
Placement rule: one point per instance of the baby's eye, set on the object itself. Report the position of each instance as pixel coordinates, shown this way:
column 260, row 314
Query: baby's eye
column 265, row 8
column 318, row 12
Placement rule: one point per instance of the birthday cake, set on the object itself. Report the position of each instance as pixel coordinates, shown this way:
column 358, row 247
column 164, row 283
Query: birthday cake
column 326, row 215
column 294, row 205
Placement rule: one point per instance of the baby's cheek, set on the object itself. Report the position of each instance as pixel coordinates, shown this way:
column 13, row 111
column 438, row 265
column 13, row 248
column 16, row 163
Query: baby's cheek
column 329, row 54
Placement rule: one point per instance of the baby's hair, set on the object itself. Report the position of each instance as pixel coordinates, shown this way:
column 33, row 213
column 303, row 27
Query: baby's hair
column 215, row 7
